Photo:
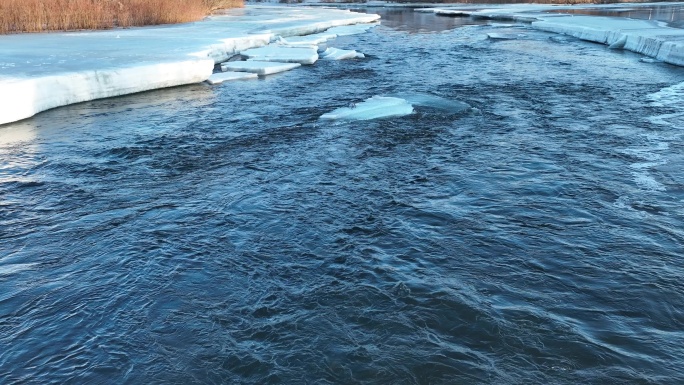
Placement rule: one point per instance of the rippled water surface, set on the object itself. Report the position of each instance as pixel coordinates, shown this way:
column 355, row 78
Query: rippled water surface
column 224, row 235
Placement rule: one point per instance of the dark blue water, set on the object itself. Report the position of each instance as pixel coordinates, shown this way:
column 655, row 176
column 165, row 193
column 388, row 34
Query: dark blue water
column 224, row 235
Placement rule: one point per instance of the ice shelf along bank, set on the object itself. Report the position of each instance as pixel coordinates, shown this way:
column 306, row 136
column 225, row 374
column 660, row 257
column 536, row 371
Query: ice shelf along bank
column 43, row 71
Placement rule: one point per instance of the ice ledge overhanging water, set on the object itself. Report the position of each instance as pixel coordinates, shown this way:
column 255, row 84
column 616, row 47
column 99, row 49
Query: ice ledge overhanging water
column 43, row 71
column 645, row 37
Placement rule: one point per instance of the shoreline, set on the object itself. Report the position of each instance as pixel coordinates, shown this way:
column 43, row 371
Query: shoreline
column 35, row 76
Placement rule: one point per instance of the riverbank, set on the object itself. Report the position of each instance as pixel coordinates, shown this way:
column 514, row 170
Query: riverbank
column 43, row 71
column 20, row 16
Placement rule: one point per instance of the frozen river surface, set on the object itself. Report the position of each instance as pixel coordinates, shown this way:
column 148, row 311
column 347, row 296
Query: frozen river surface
column 227, row 235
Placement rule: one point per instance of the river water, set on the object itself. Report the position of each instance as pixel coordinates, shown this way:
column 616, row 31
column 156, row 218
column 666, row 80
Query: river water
column 224, row 235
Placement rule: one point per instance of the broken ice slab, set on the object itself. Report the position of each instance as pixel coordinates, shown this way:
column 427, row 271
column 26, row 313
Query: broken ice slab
column 258, row 67
column 301, row 55
column 340, row 54
column 229, row 76
column 372, row 108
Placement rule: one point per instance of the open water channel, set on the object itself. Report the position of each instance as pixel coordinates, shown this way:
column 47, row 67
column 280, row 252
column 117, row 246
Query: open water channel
column 225, row 235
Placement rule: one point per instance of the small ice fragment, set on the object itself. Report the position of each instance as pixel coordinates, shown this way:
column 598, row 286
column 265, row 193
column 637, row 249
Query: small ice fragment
column 302, row 55
column 649, row 60
column 619, row 43
column 340, row 54
column 228, row 76
column 258, row 67
column 372, row 108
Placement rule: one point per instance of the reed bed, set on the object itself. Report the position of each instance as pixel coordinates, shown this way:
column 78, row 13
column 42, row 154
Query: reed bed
column 18, row 16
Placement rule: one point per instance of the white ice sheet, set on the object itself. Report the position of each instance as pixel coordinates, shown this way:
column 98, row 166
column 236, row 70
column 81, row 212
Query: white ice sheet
column 277, row 53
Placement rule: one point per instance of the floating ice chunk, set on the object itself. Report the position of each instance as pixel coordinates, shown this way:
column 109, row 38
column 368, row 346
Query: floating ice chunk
column 302, row 55
column 347, row 30
column 228, row 76
column 436, row 102
column 649, row 60
column 340, row 54
column 258, row 67
column 373, row 108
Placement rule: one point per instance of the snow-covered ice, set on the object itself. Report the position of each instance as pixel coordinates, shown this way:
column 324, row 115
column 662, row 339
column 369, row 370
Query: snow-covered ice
column 340, row 54
column 373, row 108
column 230, row 76
column 301, row 55
column 258, row 67
column 47, row 70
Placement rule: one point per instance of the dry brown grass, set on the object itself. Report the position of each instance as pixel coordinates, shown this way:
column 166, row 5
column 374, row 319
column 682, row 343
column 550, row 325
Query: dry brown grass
column 65, row 15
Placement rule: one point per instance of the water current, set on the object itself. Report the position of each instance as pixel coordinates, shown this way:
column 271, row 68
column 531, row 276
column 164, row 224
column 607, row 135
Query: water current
column 225, row 235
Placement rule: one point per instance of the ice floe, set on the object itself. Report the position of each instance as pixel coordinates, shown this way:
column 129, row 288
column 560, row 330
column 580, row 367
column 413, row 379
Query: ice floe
column 375, row 107
column 258, row 67
column 340, row 54
column 301, row 55
column 230, row 76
